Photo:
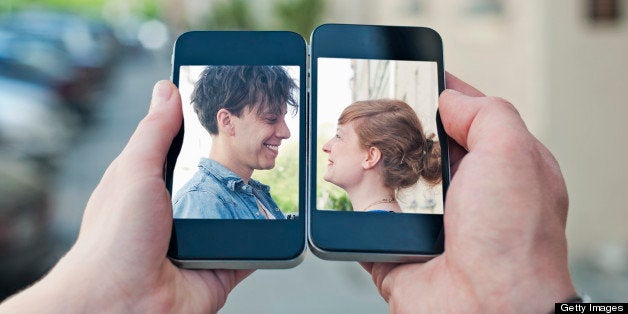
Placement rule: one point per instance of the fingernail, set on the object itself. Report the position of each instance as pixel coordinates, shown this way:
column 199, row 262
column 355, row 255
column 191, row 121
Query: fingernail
column 161, row 93
column 452, row 91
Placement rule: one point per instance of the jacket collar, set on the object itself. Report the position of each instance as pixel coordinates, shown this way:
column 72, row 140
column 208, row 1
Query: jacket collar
column 226, row 176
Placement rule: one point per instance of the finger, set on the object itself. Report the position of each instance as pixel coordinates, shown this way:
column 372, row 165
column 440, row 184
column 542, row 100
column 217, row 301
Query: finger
column 469, row 120
column 380, row 275
column 367, row 266
column 242, row 274
column 228, row 278
column 217, row 284
column 457, row 84
column 151, row 141
column 456, row 153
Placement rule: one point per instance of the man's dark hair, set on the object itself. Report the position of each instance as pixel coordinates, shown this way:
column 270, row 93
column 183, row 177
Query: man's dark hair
column 237, row 87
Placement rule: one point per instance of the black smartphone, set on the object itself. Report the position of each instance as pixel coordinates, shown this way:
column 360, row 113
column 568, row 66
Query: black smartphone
column 236, row 170
column 379, row 158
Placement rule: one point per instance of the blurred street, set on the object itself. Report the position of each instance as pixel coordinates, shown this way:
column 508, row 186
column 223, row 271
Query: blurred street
column 76, row 78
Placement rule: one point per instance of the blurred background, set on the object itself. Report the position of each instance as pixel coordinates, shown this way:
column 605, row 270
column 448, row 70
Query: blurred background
column 76, row 77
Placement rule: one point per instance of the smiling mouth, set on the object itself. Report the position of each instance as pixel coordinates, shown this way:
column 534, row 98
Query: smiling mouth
column 272, row 147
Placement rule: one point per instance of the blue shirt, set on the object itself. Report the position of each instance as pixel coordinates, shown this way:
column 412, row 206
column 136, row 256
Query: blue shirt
column 215, row 192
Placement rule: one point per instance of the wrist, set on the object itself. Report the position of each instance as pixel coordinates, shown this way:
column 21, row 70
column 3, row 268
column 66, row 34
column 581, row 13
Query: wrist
column 76, row 284
column 532, row 279
column 56, row 292
column 95, row 284
column 84, row 288
column 89, row 283
column 540, row 282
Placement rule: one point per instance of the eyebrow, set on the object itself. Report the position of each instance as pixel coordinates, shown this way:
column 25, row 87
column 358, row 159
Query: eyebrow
column 270, row 115
column 273, row 112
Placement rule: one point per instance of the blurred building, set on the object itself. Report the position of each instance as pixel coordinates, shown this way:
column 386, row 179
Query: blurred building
column 562, row 63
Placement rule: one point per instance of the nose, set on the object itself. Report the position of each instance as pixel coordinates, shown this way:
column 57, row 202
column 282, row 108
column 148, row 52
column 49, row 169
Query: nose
column 282, row 130
column 327, row 146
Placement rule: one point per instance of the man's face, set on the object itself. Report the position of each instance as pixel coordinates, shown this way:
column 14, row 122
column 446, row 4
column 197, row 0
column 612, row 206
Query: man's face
column 257, row 137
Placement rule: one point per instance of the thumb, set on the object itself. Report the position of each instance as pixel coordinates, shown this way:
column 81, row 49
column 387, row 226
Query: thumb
column 149, row 144
column 472, row 120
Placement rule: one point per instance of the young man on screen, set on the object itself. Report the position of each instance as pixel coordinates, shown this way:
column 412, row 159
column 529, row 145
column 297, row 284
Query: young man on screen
column 243, row 108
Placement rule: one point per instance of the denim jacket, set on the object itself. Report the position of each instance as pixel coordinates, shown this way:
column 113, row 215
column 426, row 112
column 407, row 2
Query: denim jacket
column 215, row 192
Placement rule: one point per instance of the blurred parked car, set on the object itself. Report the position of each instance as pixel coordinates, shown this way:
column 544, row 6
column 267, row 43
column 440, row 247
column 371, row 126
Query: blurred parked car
column 34, row 123
column 25, row 245
column 90, row 45
column 45, row 62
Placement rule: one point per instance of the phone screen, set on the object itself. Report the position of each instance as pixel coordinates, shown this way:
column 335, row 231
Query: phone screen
column 239, row 157
column 377, row 139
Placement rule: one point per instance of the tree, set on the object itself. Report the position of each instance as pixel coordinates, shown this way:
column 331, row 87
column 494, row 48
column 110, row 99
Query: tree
column 300, row 16
column 234, row 14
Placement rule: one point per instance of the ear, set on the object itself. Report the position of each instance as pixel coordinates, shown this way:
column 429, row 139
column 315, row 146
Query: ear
column 225, row 122
column 372, row 157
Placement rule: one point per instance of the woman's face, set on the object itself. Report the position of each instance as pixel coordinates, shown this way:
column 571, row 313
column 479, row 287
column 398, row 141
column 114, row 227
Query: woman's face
column 345, row 159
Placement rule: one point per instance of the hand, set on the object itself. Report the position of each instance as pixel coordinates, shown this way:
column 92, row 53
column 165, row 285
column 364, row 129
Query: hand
column 505, row 216
column 119, row 260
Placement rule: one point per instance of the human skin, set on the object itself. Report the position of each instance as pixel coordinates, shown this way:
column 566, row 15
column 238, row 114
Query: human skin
column 345, row 157
column 249, row 142
column 119, row 263
column 505, row 217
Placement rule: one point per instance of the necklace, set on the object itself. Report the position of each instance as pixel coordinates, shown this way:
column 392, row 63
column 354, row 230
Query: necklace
column 382, row 201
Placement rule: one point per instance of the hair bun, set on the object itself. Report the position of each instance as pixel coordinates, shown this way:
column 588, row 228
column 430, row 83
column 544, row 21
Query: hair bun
column 431, row 171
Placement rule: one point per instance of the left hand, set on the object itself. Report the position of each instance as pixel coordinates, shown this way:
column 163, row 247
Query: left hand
column 119, row 261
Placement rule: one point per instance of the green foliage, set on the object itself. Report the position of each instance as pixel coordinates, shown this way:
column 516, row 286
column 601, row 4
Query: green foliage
column 339, row 202
column 300, row 16
column 284, row 178
column 233, row 14
column 150, row 9
column 88, row 7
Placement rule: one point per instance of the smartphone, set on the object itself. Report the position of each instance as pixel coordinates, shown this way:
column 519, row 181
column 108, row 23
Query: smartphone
column 379, row 158
column 236, row 169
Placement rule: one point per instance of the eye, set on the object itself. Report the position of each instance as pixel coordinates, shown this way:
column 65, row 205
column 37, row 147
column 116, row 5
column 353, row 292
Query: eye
column 337, row 136
column 272, row 119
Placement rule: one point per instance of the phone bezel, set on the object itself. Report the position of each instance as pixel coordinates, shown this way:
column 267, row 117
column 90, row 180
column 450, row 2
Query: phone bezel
column 230, row 243
column 374, row 236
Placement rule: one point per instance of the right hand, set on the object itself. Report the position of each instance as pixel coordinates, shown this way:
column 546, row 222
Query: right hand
column 505, row 217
